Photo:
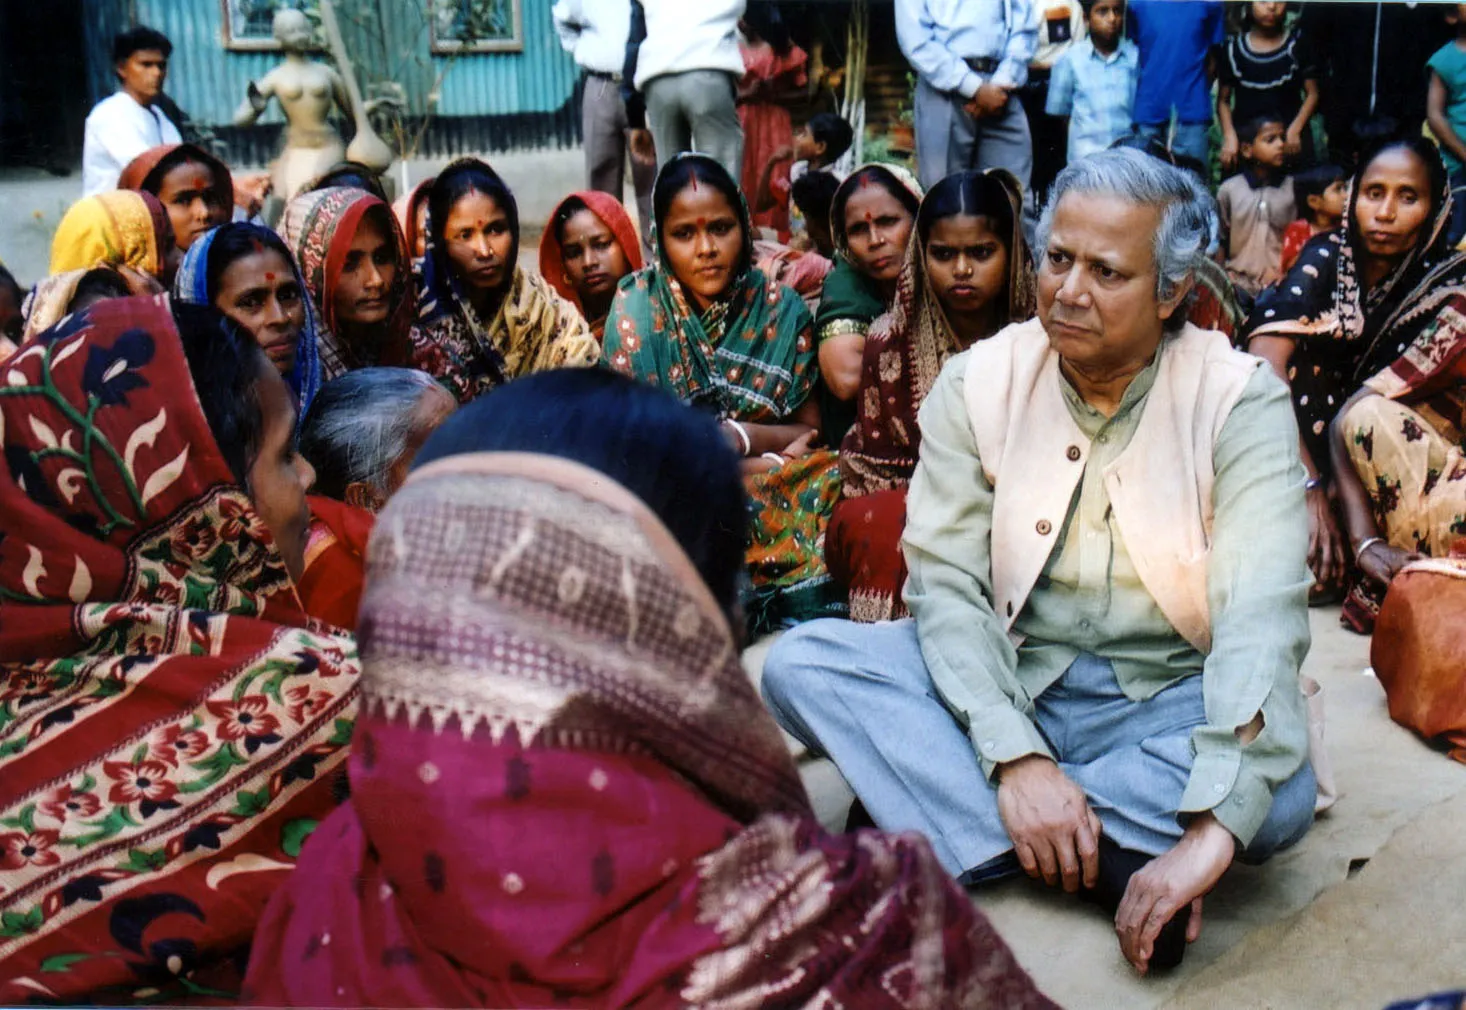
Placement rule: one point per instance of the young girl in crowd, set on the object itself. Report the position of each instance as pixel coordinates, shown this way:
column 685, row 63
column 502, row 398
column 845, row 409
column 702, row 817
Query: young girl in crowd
column 481, row 320
column 967, row 275
column 590, row 245
column 174, row 723
column 703, row 323
column 411, row 211
column 246, row 272
column 354, row 263
column 1267, row 70
column 192, row 185
column 774, row 78
column 871, row 218
column 1320, row 194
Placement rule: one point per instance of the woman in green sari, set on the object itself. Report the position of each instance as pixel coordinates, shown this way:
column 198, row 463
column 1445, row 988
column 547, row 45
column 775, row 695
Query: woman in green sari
column 871, row 218
column 706, row 325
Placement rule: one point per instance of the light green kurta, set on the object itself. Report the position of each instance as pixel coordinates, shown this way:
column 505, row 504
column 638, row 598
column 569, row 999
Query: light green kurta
column 1089, row 597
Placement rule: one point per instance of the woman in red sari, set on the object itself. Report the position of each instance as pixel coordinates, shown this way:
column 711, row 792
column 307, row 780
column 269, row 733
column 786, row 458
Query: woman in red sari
column 968, row 274
column 774, row 78
column 360, row 434
column 589, row 246
column 171, row 722
column 565, row 791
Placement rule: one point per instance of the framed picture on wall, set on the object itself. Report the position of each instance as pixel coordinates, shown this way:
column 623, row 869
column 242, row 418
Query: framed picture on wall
column 248, row 23
column 477, row 26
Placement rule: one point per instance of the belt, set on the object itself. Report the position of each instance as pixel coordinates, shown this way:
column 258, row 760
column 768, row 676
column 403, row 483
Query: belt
column 982, row 64
column 613, row 78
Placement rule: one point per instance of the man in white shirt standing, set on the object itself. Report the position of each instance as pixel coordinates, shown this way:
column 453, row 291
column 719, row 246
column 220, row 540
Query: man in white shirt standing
column 594, row 32
column 682, row 58
column 125, row 125
column 970, row 57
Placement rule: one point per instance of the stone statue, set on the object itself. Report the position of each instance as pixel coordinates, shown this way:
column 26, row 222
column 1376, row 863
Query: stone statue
column 306, row 91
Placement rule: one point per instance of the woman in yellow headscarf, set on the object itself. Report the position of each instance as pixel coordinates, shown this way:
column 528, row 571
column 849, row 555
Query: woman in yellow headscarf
column 121, row 228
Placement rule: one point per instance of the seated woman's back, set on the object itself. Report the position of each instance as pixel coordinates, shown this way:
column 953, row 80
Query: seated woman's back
column 170, row 726
column 563, row 779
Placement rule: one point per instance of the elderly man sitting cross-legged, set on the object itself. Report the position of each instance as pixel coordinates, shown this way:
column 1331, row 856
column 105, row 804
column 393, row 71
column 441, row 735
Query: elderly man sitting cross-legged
column 1106, row 536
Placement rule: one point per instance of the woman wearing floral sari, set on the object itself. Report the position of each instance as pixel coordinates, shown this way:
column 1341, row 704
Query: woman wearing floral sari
column 246, row 272
column 1354, row 303
column 481, row 320
column 967, row 275
column 171, row 723
column 871, row 218
column 589, row 246
column 703, row 323
column 565, row 791
column 117, row 229
column 354, row 262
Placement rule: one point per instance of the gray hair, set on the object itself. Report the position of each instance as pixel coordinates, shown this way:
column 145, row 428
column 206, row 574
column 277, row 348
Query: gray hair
column 358, row 425
column 1189, row 219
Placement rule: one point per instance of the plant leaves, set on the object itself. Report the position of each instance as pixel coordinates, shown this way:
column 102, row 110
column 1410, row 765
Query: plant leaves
column 294, row 834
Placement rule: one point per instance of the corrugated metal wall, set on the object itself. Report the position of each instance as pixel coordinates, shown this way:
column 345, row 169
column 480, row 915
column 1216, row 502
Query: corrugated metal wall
column 488, row 100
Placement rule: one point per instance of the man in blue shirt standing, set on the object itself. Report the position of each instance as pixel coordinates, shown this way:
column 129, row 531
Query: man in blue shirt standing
column 1175, row 38
column 970, row 57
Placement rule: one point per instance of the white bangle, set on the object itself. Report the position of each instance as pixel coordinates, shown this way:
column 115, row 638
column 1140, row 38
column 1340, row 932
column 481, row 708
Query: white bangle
column 742, row 434
column 1366, row 545
column 774, row 458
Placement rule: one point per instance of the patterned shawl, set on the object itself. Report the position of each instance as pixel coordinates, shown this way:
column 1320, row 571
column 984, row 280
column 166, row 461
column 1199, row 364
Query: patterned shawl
column 565, row 791
column 192, row 285
column 750, row 356
column 136, row 175
column 170, row 721
column 1320, row 300
column 49, row 301
column 113, row 229
column 319, row 227
column 533, row 329
column 614, row 216
column 905, row 351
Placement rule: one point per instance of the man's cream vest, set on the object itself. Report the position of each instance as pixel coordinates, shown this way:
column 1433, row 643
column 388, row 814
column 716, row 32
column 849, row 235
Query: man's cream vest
column 1160, row 487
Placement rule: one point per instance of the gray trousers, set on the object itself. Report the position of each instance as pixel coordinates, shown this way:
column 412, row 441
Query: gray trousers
column 861, row 695
column 949, row 140
column 603, row 123
column 695, row 111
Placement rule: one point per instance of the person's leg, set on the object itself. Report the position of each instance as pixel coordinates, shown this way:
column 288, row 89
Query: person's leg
column 935, row 115
column 1191, row 140
column 861, row 695
column 602, row 118
column 666, row 118
column 709, row 97
column 1004, row 142
column 1151, row 131
column 643, row 177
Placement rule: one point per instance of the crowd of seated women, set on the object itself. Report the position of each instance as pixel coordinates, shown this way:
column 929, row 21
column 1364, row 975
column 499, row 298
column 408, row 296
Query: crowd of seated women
column 341, row 548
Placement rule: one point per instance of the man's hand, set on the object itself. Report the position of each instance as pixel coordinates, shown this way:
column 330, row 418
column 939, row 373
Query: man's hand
column 1325, row 542
column 1229, row 152
column 643, row 148
column 1168, row 883
column 1293, row 142
column 989, row 101
column 1048, row 817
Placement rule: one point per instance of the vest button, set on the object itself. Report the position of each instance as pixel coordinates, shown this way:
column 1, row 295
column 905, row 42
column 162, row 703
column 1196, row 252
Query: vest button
column 1073, row 453
column 1044, row 527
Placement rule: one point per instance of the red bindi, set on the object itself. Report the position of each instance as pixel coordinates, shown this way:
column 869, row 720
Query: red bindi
column 868, row 218
column 702, row 222
column 269, row 276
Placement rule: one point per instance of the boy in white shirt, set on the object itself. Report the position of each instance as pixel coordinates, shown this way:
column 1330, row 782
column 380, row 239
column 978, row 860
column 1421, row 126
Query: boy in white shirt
column 125, row 125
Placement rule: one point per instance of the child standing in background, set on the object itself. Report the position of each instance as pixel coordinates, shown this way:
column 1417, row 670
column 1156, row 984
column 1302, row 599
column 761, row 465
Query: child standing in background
column 1255, row 206
column 1445, row 110
column 1093, row 83
column 1266, row 70
column 818, row 144
column 1320, row 194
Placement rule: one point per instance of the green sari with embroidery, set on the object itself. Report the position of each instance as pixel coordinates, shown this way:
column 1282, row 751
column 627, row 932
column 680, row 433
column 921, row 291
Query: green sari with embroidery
column 751, row 358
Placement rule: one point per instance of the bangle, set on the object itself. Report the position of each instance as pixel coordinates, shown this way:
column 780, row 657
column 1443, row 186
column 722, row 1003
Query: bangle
column 1365, row 545
column 774, row 458
column 1314, row 484
column 742, row 434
